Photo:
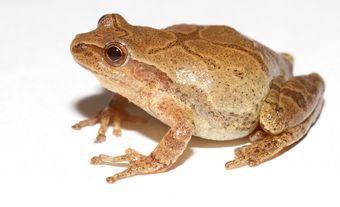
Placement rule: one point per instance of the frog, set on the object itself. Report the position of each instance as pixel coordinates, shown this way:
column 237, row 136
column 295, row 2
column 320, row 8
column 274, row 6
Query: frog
column 206, row 81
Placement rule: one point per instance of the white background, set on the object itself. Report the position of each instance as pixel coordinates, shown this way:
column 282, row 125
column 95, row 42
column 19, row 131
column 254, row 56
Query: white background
column 43, row 162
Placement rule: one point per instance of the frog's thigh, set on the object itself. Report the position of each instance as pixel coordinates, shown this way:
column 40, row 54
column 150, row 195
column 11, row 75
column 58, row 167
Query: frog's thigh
column 271, row 145
column 289, row 111
column 290, row 103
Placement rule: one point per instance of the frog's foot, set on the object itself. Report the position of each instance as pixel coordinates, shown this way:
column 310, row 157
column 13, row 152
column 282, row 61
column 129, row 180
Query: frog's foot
column 160, row 159
column 256, row 153
column 137, row 164
column 112, row 115
column 267, row 146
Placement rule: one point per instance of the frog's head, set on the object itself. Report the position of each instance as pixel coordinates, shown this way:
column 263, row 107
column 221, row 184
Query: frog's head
column 116, row 52
column 102, row 49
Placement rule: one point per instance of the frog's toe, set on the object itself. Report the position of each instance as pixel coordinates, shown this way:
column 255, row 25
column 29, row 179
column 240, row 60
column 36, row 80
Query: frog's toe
column 87, row 122
column 130, row 155
column 137, row 164
column 256, row 153
column 105, row 117
column 111, row 115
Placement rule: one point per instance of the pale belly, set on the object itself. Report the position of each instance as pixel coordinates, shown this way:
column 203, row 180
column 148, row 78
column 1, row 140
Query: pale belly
column 206, row 131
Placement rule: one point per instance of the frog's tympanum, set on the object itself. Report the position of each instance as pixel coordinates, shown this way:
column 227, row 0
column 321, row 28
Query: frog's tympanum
column 206, row 81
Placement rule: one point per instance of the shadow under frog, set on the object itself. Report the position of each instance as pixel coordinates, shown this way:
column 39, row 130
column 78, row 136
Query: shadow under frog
column 152, row 128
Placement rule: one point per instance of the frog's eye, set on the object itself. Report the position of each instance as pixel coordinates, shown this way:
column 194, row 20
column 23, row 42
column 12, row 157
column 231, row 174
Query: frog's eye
column 116, row 54
column 101, row 18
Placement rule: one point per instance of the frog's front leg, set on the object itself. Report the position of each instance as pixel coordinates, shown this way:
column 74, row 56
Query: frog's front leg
column 113, row 115
column 163, row 156
column 289, row 111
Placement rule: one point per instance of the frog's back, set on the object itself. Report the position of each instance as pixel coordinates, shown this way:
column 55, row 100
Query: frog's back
column 221, row 74
column 230, row 78
column 211, row 43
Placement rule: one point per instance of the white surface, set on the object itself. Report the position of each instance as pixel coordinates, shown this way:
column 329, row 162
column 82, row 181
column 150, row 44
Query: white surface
column 43, row 162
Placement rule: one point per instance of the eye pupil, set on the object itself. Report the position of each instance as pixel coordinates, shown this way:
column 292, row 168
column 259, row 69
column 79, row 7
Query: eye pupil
column 114, row 53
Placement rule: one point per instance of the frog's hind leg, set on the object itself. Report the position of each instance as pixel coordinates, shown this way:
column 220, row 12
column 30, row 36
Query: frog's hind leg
column 268, row 146
column 290, row 103
column 290, row 110
column 112, row 115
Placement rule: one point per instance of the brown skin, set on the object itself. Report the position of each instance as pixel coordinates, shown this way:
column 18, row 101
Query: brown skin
column 208, row 81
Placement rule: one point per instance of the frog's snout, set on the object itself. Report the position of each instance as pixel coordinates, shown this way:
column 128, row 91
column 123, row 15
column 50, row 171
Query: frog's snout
column 77, row 46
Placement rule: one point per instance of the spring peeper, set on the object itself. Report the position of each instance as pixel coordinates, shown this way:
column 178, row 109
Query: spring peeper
column 206, row 81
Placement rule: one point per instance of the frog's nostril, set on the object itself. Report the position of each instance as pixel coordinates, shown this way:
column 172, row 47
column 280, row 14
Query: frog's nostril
column 80, row 47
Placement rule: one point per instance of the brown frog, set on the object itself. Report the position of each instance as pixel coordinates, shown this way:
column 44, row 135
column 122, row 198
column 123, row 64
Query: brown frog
column 208, row 81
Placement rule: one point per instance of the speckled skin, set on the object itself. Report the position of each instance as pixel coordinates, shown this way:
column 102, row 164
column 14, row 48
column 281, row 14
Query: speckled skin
column 229, row 74
column 208, row 81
